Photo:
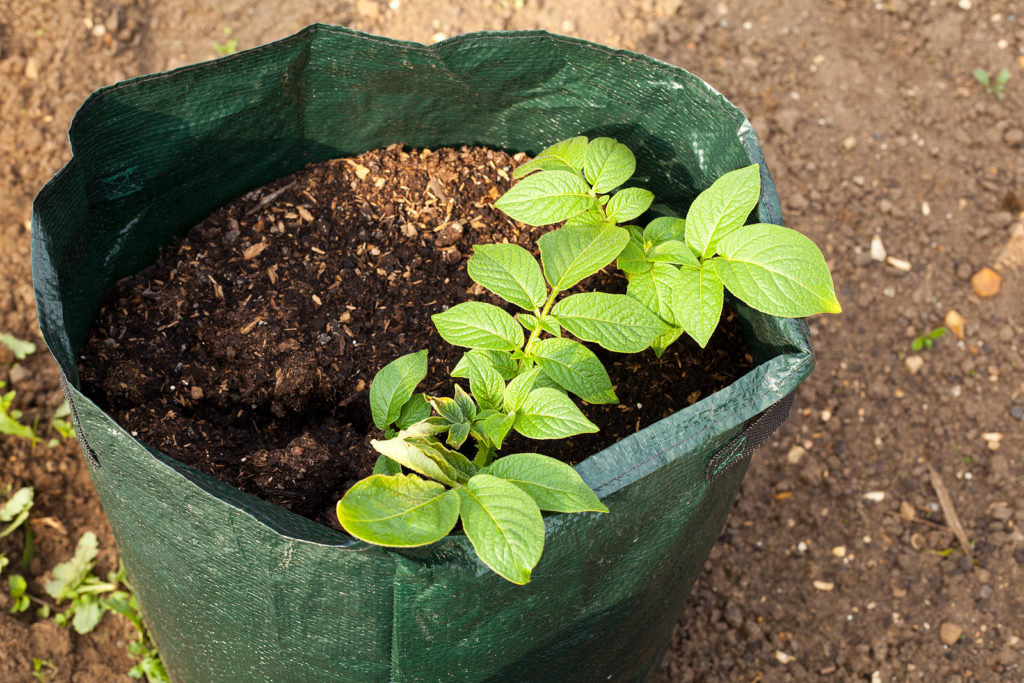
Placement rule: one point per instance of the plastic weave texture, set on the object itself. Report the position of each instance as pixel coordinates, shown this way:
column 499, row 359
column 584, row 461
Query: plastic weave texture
column 237, row 589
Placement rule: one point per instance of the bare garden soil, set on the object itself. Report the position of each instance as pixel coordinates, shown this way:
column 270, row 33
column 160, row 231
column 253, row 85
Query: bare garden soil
column 248, row 349
column 838, row 562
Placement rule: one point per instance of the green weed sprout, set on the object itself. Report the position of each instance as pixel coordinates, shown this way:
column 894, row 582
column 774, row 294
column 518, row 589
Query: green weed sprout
column 925, row 340
column 995, row 87
column 523, row 372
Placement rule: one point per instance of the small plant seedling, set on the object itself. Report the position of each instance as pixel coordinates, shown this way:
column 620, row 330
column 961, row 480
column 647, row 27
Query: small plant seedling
column 924, row 341
column 524, row 374
column 13, row 513
column 229, row 46
column 22, row 349
column 41, row 668
column 995, row 86
column 10, row 418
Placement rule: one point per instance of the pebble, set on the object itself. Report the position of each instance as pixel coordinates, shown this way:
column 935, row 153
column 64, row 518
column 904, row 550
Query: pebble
column 1017, row 412
column 31, row 69
column 875, row 496
column 18, row 374
column 985, row 592
column 1014, row 137
column 783, row 657
column 878, row 249
column 839, row 551
column 986, row 282
column 955, row 323
column 823, row 585
column 914, row 364
column 907, row 511
column 899, row 264
column 950, row 632
column 795, row 454
column 850, row 142
column 885, row 206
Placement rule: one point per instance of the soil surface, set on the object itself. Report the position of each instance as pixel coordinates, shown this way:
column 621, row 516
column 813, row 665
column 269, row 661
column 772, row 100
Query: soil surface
column 838, row 561
column 248, row 349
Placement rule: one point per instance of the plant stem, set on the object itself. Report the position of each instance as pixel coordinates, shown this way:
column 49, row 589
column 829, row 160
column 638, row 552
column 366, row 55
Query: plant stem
column 535, row 332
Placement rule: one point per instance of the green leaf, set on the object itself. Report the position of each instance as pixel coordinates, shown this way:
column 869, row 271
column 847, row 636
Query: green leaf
column 413, row 457
column 479, row 325
column 553, row 485
column 465, row 403
column 88, row 612
column 777, row 270
column 449, row 410
column 462, row 467
column 485, row 382
column 654, row 289
column 572, row 254
column 496, row 427
column 587, row 219
column 68, row 576
column 673, row 251
column 17, row 584
column 697, row 301
column 22, row 349
column 661, row 343
column 567, row 155
column 17, row 504
column 509, row 271
column 457, row 434
column 722, row 208
column 663, row 229
column 416, row 409
column 575, row 368
column 504, row 525
column 608, row 164
column 628, row 203
column 547, row 197
column 547, row 323
column 499, row 360
column 615, row 321
column 394, row 385
column 386, row 466
column 400, row 511
column 518, row 389
column 550, row 414
column 632, row 259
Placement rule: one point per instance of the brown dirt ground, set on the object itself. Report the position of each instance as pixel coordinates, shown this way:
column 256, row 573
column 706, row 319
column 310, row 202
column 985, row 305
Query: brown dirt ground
column 872, row 125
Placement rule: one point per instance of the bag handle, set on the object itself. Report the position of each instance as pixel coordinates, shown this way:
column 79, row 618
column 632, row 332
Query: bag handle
column 747, row 441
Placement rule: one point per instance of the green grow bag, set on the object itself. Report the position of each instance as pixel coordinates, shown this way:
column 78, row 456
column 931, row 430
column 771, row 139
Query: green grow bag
column 237, row 589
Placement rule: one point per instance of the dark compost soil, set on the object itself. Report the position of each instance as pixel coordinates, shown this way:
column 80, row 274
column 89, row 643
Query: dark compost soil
column 248, row 349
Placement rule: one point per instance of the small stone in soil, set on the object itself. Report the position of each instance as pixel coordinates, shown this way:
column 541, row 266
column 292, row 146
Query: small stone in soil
column 914, row 364
column 955, row 323
column 986, row 282
column 878, row 252
column 950, row 632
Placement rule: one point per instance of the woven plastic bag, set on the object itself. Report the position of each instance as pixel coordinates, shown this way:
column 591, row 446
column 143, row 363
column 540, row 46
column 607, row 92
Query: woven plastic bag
column 237, row 589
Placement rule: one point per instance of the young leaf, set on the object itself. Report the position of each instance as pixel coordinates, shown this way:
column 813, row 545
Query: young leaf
column 548, row 324
column 722, row 208
column 608, row 164
column 571, row 254
column 416, row 409
column 509, row 271
column 654, row 289
column 399, row 511
column 386, row 466
column 479, row 326
column 547, row 197
column 628, row 203
column 485, row 382
column 777, row 270
column 632, row 260
column 518, row 389
column 449, row 410
column 615, row 321
column 394, row 385
column 465, row 403
column 663, row 229
column 575, row 368
column 457, row 434
column 67, row 576
column 566, row 155
column 16, row 509
column 504, row 525
column 22, row 349
column 88, row 612
column 460, row 464
column 697, row 300
column 662, row 342
column 499, row 360
column 553, row 485
column 496, row 427
column 587, row 219
column 673, row 251
column 550, row 414
column 409, row 455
